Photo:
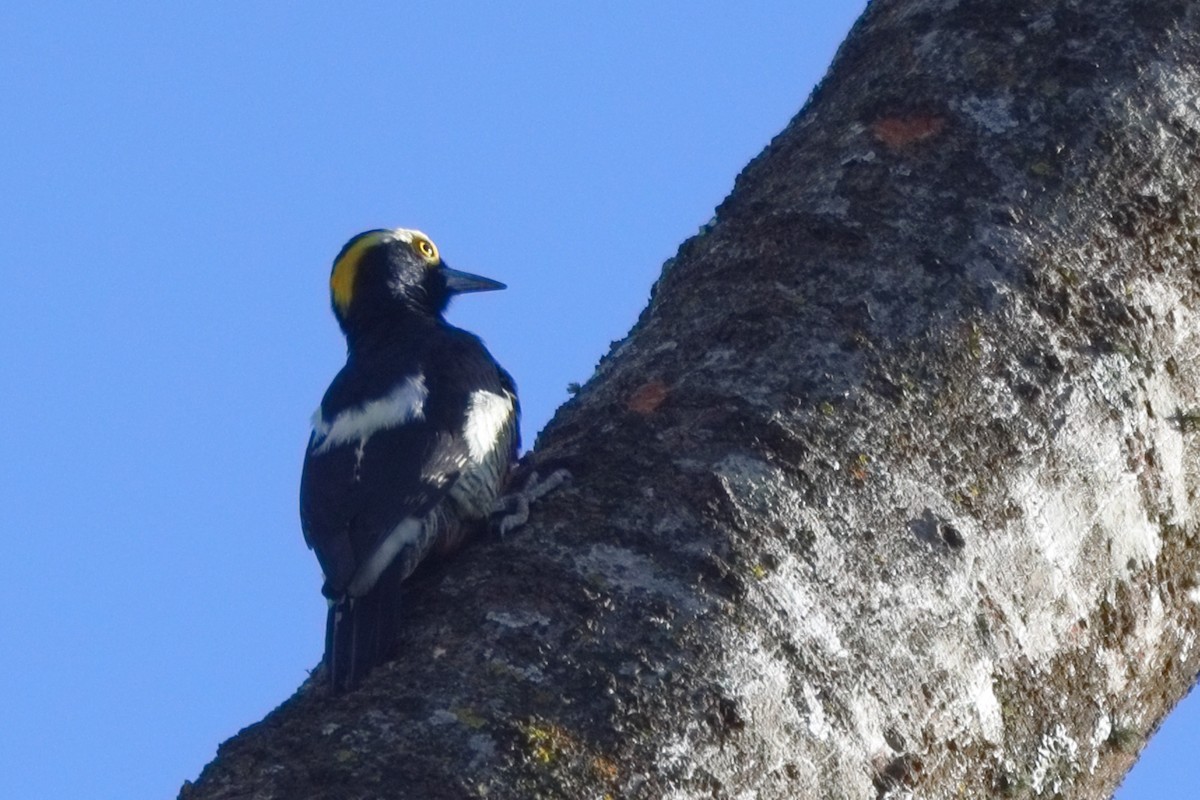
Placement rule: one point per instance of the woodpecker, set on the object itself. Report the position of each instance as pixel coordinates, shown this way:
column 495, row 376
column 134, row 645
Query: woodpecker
column 411, row 445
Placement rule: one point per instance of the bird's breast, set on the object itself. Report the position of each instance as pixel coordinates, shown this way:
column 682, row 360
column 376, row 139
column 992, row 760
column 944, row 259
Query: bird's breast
column 489, row 430
column 489, row 417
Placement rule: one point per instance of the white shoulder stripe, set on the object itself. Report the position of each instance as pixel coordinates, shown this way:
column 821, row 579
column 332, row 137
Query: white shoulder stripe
column 403, row 404
column 488, row 414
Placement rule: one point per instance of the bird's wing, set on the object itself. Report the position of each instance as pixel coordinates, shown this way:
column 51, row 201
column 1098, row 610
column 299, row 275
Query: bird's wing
column 355, row 491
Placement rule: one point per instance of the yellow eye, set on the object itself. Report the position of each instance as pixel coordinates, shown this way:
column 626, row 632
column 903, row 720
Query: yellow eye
column 426, row 249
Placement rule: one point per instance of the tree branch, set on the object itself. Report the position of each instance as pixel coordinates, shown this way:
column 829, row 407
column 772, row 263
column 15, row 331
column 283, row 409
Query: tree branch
column 891, row 489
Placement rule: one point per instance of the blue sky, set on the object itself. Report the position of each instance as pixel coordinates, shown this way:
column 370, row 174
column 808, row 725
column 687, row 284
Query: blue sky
column 177, row 179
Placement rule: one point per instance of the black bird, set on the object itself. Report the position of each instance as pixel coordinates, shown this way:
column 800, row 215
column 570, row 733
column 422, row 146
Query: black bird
column 411, row 445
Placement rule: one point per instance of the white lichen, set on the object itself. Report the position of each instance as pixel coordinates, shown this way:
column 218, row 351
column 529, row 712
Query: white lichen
column 1056, row 762
column 517, row 619
column 993, row 114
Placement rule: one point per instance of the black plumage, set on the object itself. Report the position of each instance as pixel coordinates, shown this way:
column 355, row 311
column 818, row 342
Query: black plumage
column 411, row 444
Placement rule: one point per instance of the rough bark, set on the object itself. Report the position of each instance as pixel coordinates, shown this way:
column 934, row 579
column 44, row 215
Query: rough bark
column 891, row 489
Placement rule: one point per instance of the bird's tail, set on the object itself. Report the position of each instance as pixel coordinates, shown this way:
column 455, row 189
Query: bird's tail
column 359, row 636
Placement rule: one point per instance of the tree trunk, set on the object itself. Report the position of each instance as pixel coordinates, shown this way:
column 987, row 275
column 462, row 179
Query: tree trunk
column 891, row 489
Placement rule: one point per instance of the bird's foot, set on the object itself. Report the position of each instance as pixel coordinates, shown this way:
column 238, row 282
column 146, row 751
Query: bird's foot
column 511, row 511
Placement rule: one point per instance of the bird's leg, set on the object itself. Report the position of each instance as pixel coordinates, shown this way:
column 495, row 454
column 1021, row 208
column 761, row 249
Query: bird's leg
column 511, row 511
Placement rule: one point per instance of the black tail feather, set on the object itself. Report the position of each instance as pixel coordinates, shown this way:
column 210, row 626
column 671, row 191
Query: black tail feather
column 349, row 640
column 360, row 634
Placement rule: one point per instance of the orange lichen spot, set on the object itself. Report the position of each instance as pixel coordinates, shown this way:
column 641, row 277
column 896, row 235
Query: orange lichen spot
column 648, row 397
column 897, row 133
column 605, row 768
column 859, row 469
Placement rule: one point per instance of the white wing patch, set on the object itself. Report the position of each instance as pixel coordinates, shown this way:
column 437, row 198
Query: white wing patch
column 408, row 532
column 403, row 404
column 488, row 414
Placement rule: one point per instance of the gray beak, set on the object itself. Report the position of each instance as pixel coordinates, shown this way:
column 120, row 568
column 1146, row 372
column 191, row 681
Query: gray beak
column 462, row 282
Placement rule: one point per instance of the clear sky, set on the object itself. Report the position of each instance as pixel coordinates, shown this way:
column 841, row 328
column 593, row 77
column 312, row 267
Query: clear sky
column 177, row 178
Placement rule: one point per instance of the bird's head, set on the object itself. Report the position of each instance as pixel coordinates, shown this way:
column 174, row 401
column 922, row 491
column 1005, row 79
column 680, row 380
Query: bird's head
column 383, row 276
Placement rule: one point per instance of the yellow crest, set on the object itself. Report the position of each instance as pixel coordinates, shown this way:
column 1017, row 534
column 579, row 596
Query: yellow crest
column 345, row 267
